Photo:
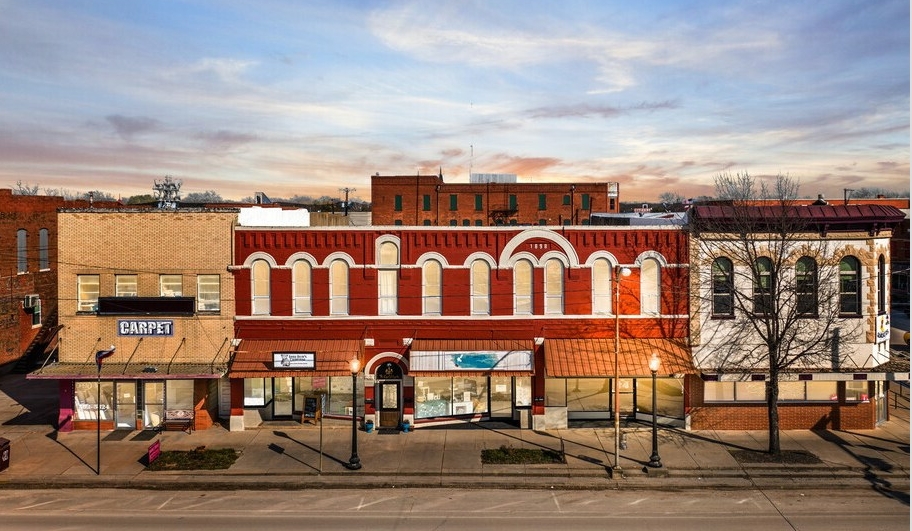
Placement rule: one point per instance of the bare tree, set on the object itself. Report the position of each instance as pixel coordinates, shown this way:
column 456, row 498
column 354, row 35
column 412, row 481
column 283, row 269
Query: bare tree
column 25, row 189
column 768, row 285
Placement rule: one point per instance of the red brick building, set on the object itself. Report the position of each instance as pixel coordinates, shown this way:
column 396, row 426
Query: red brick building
column 426, row 200
column 458, row 324
column 28, row 267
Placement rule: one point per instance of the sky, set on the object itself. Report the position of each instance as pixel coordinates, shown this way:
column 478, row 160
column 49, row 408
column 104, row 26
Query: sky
column 290, row 97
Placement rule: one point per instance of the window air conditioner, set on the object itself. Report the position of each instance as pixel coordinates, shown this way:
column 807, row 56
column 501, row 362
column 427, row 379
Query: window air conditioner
column 30, row 301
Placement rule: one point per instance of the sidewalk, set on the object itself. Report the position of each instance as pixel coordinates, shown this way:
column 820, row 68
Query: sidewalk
column 289, row 457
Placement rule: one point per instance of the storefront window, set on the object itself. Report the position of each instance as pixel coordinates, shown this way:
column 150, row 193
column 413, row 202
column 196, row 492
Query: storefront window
column 256, row 392
column 523, row 388
column 433, row 397
column 856, row 391
column 86, row 401
column 669, row 400
column 588, row 394
column 807, row 391
column 179, row 395
column 340, row 396
column 555, row 392
column 470, row 395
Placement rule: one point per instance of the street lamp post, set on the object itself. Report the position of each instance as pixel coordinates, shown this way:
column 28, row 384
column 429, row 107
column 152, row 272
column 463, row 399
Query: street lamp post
column 616, row 413
column 654, row 460
column 354, row 462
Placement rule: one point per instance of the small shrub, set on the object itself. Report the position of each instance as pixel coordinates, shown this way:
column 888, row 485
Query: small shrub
column 197, row 459
column 506, row 455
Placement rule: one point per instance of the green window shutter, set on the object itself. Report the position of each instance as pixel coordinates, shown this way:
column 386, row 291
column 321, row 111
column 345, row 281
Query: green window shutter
column 427, row 203
column 585, row 202
column 454, row 202
column 398, row 203
column 479, row 205
column 512, row 201
column 542, row 202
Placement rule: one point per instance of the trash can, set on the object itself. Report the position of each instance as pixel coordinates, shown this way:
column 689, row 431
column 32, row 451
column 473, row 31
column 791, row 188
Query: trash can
column 4, row 454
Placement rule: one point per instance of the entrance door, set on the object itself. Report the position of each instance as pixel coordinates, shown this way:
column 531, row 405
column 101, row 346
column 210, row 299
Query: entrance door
column 626, row 402
column 125, row 414
column 501, row 397
column 153, row 404
column 282, row 404
column 390, row 402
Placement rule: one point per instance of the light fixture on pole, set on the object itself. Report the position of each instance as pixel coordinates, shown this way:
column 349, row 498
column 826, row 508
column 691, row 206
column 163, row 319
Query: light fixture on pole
column 354, row 462
column 616, row 410
column 654, row 460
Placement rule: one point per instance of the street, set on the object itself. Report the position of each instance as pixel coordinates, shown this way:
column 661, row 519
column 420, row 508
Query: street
column 452, row 509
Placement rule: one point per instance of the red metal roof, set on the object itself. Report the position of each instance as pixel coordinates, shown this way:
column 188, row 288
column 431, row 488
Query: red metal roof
column 253, row 357
column 567, row 358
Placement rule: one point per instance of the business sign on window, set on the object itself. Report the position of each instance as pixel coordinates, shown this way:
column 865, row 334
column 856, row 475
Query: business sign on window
column 145, row 327
column 883, row 328
column 294, row 360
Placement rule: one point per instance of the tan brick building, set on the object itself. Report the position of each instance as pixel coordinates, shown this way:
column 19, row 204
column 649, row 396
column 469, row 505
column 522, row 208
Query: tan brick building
column 425, row 200
column 154, row 284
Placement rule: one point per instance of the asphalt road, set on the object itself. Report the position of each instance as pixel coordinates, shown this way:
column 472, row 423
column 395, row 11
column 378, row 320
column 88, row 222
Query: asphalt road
column 450, row 509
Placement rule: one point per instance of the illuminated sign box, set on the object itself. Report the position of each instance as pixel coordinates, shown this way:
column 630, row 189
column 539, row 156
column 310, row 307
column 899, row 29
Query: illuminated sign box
column 294, row 360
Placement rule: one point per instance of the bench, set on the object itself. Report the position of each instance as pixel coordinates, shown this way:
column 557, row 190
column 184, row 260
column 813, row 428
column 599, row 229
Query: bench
column 178, row 419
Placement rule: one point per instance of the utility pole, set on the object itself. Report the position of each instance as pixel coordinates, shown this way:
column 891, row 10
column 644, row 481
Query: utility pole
column 346, row 191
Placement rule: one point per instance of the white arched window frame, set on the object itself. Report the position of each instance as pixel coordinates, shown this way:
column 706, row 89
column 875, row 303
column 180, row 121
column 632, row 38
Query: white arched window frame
column 481, row 288
column 522, row 288
column 301, row 286
column 387, row 278
column 432, row 288
column 338, row 287
column 650, row 286
column 806, row 288
column 554, row 287
column 601, row 286
column 259, row 287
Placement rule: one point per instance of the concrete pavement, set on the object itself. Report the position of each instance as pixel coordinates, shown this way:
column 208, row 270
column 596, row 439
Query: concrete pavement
column 291, row 456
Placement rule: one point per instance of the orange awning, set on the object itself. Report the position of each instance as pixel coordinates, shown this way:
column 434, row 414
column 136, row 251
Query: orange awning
column 568, row 358
column 332, row 357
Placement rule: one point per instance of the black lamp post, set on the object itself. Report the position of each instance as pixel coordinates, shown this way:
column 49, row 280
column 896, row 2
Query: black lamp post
column 354, row 462
column 654, row 460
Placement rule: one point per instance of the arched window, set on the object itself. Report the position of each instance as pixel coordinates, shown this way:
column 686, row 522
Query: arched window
column 849, row 286
column 650, row 287
column 338, row 288
column 601, row 287
column 481, row 288
column 43, row 260
column 22, row 251
column 387, row 276
column 431, row 288
column 554, row 287
column 723, row 291
column 764, row 284
column 522, row 288
column 806, row 286
column 259, row 289
column 301, row 287
column 881, row 285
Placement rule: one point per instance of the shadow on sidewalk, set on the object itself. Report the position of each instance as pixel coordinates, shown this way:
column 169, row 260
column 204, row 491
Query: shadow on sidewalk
column 53, row 436
column 280, row 450
column 871, row 464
